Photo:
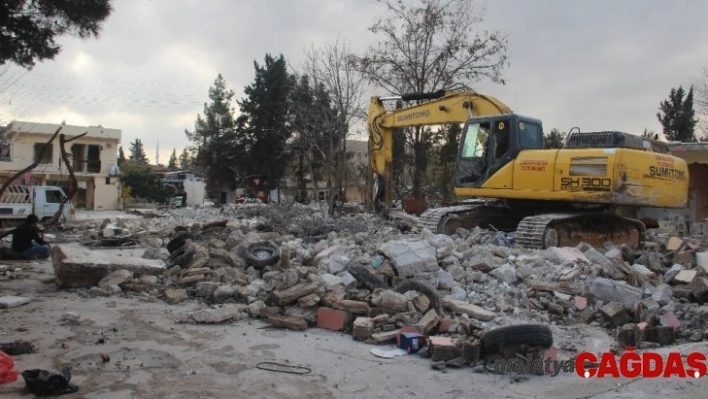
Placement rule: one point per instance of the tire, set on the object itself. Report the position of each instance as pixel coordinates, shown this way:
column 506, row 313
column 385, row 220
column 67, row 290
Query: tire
column 261, row 254
column 425, row 289
column 178, row 241
column 181, row 257
column 364, row 276
column 531, row 335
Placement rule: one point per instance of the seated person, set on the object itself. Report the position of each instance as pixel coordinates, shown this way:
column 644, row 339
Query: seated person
column 23, row 237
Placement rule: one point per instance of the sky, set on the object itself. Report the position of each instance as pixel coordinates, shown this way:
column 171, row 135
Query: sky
column 598, row 65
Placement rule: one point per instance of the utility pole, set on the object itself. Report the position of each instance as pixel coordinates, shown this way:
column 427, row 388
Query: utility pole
column 157, row 153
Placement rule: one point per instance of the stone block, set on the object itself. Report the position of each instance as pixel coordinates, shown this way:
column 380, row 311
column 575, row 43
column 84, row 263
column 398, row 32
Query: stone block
column 409, row 258
column 12, row 301
column 443, row 349
column 363, row 328
column 609, row 290
column 78, row 267
column 685, row 276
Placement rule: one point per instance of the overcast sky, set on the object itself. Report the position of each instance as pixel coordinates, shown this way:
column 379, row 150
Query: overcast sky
column 598, row 65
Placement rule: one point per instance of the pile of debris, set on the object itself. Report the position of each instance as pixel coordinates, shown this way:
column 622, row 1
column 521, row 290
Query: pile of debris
column 296, row 269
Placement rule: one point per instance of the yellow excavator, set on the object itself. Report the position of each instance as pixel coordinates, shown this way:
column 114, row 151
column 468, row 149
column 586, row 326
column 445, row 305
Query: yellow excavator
column 589, row 190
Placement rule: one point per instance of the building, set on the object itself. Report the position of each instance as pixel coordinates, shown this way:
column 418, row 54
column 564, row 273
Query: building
column 187, row 184
column 93, row 158
column 354, row 184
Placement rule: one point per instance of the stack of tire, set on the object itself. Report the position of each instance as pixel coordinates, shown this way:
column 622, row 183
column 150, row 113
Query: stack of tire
column 180, row 254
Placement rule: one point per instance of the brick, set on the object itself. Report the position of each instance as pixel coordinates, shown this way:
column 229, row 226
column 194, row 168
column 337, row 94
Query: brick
column 471, row 350
column 385, row 336
column 331, row 319
column 580, row 302
column 684, row 257
column 664, row 335
column 699, row 289
column 685, row 276
column 362, row 328
column 429, row 321
column 289, row 322
column 674, row 244
column 446, row 324
column 629, row 336
column 442, row 348
column 616, row 313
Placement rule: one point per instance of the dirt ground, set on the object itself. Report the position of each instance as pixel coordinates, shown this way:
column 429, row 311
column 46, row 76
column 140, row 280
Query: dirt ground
column 152, row 356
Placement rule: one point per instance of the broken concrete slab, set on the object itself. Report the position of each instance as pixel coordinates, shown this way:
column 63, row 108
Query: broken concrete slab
column 11, row 301
column 469, row 309
column 609, row 290
column 77, row 267
column 409, row 258
column 213, row 316
column 565, row 254
column 685, row 276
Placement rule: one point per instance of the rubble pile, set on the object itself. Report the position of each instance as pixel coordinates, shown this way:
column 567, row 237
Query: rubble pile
column 296, row 269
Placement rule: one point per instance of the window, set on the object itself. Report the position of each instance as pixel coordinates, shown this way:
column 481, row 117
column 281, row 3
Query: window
column 321, row 195
column 530, row 135
column 53, row 196
column 502, row 139
column 475, row 140
column 48, row 155
column 93, row 159
column 5, row 151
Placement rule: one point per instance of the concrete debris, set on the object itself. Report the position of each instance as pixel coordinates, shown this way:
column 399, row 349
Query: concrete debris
column 11, row 301
column 375, row 279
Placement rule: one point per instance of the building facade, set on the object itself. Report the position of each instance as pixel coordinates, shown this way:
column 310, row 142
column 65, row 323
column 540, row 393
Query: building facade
column 93, row 158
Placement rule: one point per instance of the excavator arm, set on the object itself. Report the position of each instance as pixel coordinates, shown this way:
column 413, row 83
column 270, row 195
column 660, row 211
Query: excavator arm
column 438, row 108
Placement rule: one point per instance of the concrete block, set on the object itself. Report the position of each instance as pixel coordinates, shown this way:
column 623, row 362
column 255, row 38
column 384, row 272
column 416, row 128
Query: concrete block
column 11, row 301
column 685, row 276
column 609, row 290
column 443, row 349
column 363, row 328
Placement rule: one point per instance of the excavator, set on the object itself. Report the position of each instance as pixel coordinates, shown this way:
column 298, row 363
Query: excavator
column 589, row 190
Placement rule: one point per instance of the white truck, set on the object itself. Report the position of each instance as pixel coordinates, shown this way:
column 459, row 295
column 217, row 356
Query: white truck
column 18, row 201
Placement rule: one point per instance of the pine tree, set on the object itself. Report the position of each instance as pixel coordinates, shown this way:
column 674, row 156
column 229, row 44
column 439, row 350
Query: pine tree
column 30, row 27
column 137, row 153
column 185, row 160
column 264, row 122
column 213, row 134
column 172, row 164
column 121, row 156
column 554, row 139
column 677, row 116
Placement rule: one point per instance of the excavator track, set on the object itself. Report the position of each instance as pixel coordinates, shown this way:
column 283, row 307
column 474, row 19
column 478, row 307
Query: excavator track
column 484, row 214
column 570, row 229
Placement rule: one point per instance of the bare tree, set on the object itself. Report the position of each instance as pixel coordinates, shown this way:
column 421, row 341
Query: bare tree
column 329, row 67
column 431, row 46
column 701, row 100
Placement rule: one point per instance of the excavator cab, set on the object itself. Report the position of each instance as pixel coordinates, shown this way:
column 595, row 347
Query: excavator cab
column 489, row 143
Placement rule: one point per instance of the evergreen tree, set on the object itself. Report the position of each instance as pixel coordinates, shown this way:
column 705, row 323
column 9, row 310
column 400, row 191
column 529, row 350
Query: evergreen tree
column 172, row 164
column 30, row 27
column 263, row 125
column 213, row 135
column 121, row 156
column 554, row 139
column 185, row 160
column 677, row 116
column 137, row 153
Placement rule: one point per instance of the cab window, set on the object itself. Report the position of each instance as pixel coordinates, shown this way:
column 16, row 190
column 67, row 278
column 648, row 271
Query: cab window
column 475, row 140
column 530, row 135
column 53, row 196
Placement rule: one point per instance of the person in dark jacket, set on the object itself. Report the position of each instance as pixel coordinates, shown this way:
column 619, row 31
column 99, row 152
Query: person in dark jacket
column 27, row 243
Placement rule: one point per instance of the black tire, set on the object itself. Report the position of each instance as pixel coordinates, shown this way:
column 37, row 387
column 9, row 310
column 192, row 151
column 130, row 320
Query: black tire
column 425, row 289
column 261, row 254
column 178, row 241
column 181, row 257
column 530, row 335
column 363, row 275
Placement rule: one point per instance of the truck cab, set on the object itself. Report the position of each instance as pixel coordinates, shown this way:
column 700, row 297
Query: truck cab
column 18, row 201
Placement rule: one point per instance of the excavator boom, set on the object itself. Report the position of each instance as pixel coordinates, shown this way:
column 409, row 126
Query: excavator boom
column 443, row 108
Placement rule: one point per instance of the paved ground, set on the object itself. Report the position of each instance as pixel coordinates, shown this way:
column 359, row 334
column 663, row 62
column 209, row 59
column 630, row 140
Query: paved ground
column 152, row 356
